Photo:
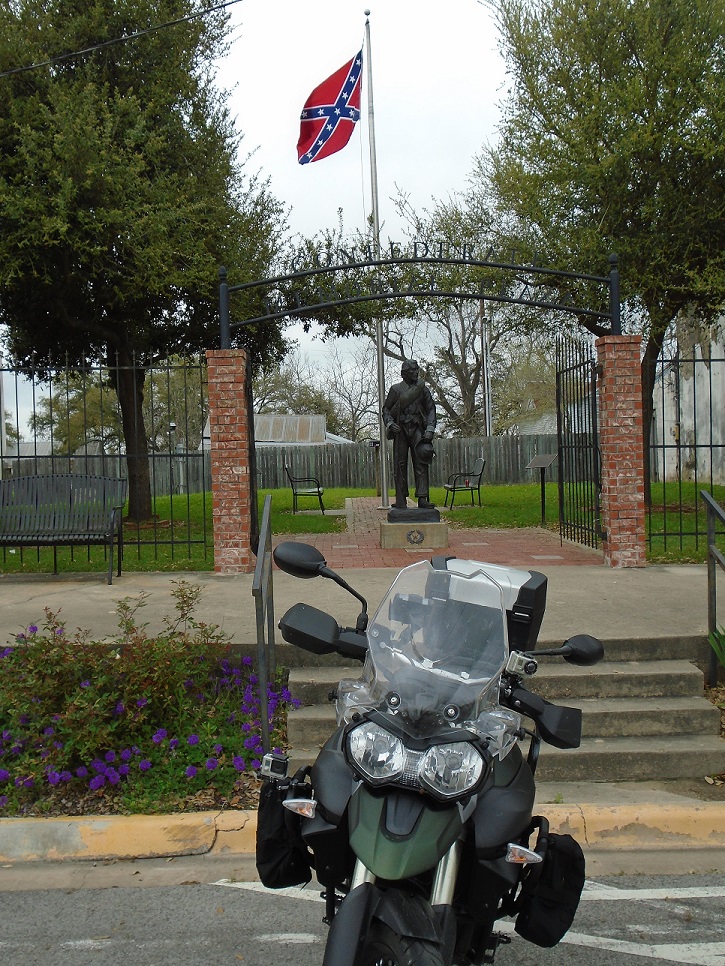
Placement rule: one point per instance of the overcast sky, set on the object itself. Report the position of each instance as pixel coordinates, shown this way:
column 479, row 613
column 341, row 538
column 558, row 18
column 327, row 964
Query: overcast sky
column 437, row 81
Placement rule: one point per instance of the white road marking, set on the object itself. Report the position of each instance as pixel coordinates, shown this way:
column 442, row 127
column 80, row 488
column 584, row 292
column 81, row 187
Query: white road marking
column 597, row 893
column 296, row 892
column 292, row 938
column 693, row 954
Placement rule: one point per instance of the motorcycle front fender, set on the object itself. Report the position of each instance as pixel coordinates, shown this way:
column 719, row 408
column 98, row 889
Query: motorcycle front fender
column 397, row 835
column 350, row 926
column 410, row 916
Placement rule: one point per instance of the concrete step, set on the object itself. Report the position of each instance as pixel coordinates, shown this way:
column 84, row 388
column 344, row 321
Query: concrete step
column 647, row 717
column 310, row 726
column 557, row 682
column 634, row 759
column 630, row 759
column 694, row 648
column 617, row 679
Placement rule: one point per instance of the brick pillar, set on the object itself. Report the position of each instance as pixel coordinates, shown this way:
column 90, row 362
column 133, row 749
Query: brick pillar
column 622, row 449
column 230, row 477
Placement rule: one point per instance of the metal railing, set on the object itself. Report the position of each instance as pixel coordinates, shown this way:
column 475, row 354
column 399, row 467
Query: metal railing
column 264, row 604
column 687, row 448
column 714, row 558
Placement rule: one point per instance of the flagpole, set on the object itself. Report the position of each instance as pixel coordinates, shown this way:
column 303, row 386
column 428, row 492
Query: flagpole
column 382, row 451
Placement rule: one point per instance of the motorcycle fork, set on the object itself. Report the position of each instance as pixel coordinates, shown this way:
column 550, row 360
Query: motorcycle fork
column 444, row 880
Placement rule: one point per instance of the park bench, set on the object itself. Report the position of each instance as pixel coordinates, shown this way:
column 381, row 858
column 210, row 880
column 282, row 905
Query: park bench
column 63, row 510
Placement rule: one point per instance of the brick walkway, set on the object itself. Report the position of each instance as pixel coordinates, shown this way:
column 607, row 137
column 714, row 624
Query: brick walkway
column 359, row 546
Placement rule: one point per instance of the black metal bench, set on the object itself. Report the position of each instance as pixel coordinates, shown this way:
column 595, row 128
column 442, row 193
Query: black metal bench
column 63, row 510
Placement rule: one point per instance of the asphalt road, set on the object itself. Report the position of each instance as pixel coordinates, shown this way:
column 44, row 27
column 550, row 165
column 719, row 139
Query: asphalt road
column 621, row 922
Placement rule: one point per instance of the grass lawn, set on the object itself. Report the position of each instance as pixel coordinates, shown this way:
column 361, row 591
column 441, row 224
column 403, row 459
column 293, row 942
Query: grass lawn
column 179, row 537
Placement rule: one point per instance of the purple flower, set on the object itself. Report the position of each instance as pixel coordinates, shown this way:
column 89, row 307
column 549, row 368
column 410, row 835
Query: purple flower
column 59, row 631
column 144, row 764
column 247, row 660
column 113, row 777
column 211, row 764
column 218, row 749
column 33, row 629
column 98, row 781
column 256, row 764
column 238, row 763
column 4, row 775
column 120, row 708
column 53, row 778
column 159, row 736
column 142, row 702
column 6, row 652
column 82, row 772
column 85, row 684
column 126, row 754
column 123, row 769
column 3, row 801
column 193, row 739
column 174, row 743
column 190, row 771
column 65, row 776
column 110, row 756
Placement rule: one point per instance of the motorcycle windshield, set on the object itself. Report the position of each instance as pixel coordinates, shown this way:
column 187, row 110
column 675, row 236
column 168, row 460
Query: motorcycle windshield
column 437, row 646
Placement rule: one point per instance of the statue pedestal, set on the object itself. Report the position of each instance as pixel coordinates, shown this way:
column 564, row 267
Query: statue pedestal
column 413, row 535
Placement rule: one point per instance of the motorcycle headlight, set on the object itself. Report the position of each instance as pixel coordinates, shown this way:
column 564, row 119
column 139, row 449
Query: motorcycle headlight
column 451, row 770
column 377, row 753
column 446, row 771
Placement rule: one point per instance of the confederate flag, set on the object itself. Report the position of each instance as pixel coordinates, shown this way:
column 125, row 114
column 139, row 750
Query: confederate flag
column 330, row 113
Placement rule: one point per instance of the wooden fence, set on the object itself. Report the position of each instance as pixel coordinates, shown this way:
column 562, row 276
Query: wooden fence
column 349, row 465
column 357, row 465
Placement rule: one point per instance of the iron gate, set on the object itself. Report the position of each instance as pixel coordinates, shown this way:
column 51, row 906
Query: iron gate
column 578, row 444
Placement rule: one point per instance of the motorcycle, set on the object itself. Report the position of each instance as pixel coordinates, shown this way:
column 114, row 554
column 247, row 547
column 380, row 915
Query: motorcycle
column 418, row 813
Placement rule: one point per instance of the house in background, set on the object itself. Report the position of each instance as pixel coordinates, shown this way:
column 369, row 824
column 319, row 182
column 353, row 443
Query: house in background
column 688, row 419
column 271, row 429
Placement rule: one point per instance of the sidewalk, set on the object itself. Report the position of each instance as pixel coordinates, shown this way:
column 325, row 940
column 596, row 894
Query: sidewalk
column 636, row 828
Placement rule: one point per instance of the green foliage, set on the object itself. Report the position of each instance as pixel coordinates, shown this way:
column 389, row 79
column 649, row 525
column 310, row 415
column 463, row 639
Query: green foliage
column 121, row 194
column 141, row 723
column 612, row 141
column 717, row 642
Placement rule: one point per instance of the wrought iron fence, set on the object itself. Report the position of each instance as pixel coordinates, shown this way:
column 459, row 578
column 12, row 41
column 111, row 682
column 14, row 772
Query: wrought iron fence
column 71, row 422
column 687, row 449
column 578, row 444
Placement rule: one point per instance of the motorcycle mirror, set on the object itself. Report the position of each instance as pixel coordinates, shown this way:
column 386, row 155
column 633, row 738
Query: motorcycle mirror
column 583, row 650
column 303, row 560
column 299, row 559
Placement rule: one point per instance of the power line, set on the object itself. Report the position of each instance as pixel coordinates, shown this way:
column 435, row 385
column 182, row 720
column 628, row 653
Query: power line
column 117, row 40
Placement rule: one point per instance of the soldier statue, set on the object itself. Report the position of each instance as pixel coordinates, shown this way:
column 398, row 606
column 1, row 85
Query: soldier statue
column 410, row 419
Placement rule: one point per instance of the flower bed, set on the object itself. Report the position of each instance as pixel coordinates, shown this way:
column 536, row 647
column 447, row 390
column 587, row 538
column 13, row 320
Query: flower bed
column 169, row 722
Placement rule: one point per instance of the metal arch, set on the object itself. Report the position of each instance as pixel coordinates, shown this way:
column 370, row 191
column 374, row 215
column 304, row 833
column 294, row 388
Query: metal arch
column 374, row 293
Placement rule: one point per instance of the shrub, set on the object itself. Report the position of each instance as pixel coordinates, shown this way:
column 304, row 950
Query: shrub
column 138, row 724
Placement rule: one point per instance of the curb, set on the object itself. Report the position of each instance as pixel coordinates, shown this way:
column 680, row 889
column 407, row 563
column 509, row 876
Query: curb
column 598, row 828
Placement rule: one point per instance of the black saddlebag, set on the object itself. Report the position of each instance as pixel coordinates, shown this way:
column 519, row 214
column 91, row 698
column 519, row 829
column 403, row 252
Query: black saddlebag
column 282, row 857
column 550, row 897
